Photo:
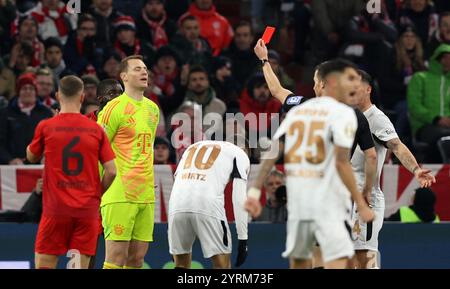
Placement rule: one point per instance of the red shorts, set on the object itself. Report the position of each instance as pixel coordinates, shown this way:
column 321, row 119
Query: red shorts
column 57, row 235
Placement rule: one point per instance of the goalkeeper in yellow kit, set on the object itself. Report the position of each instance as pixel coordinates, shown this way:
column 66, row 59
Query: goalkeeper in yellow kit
column 127, row 207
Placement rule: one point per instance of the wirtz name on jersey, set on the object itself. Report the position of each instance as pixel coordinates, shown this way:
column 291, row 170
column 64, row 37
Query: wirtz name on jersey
column 193, row 176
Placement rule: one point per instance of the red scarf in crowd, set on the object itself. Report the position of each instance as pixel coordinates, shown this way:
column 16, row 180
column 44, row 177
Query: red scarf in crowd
column 36, row 61
column 165, row 82
column 159, row 34
column 59, row 20
column 120, row 50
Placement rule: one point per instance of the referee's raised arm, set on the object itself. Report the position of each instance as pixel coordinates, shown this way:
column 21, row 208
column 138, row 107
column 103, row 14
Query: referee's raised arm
column 277, row 91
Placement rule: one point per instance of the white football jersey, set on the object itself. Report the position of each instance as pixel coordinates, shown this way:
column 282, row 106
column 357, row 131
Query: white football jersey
column 382, row 131
column 312, row 129
column 202, row 174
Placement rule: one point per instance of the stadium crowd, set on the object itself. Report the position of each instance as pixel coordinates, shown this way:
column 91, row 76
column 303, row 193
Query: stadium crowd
column 201, row 57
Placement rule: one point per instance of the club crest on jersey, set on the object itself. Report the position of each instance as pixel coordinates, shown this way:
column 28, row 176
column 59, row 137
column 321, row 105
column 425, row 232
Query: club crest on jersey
column 118, row 229
column 294, row 100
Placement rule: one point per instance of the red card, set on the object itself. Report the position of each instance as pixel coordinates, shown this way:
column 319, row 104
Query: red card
column 268, row 33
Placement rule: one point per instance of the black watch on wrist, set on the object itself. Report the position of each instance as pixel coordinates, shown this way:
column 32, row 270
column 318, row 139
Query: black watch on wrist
column 263, row 61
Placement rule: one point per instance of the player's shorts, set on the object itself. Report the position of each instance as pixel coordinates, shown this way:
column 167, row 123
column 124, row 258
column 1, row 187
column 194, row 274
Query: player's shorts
column 128, row 221
column 365, row 235
column 57, row 235
column 332, row 235
column 214, row 234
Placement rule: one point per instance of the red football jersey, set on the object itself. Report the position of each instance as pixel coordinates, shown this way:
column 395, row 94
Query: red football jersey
column 72, row 145
column 92, row 115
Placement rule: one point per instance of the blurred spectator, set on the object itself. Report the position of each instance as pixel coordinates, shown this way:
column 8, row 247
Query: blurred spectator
column 154, row 93
column 213, row 26
column 7, row 81
column 80, row 52
column 168, row 104
column 32, row 208
column 54, row 58
column 241, row 53
column 257, row 14
column 256, row 99
column 91, row 83
column 405, row 60
column 28, row 31
column 429, row 102
column 302, row 27
column 162, row 151
column 330, row 18
column 45, row 86
column 422, row 15
column 176, row 8
column 7, row 16
column 275, row 210
column 21, row 57
column 200, row 92
column 226, row 86
column 153, row 25
column 166, row 70
column 421, row 211
column 110, row 67
column 54, row 20
column 368, row 38
column 186, row 127
column 19, row 120
column 285, row 80
column 128, row 44
column 441, row 36
column 105, row 15
column 192, row 48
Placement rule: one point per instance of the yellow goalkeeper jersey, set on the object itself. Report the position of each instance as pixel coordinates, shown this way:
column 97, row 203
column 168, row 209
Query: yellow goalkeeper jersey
column 131, row 127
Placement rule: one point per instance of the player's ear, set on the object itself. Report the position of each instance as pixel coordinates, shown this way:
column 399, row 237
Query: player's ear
column 369, row 89
column 58, row 98
column 123, row 76
column 82, row 97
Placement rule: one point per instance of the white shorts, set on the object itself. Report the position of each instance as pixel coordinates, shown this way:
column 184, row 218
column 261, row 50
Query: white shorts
column 333, row 237
column 365, row 235
column 214, row 234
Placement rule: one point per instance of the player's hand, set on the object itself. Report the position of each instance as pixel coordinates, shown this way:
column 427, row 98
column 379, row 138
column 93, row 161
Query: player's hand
column 367, row 194
column 253, row 207
column 424, row 177
column 261, row 50
column 365, row 213
column 242, row 253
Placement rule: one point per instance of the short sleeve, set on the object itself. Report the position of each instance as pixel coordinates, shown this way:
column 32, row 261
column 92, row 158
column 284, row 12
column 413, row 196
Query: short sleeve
column 383, row 129
column 363, row 135
column 37, row 144
column 343, row 128
column 241, row 166
column 109, row 119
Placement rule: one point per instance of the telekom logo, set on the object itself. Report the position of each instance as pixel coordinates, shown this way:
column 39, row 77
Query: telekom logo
column 374, row 6
column 74, row 6
column 144, row 142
